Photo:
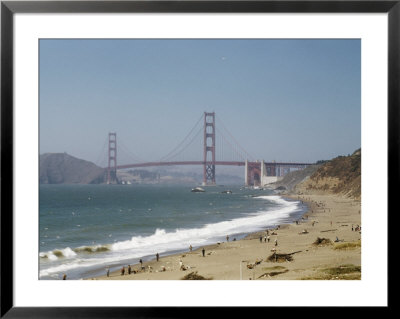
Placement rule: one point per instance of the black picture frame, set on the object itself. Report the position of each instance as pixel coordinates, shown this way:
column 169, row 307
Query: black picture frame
column 9, row 8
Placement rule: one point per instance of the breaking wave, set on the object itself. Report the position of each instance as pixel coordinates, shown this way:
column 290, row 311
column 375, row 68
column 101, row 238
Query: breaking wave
column 163, row 241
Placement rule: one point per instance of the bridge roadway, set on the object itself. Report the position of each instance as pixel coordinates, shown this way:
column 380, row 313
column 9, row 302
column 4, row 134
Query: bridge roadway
column 231, row 163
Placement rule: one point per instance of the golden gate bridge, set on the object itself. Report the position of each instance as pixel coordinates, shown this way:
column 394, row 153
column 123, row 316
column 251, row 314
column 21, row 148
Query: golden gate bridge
column 232, row 154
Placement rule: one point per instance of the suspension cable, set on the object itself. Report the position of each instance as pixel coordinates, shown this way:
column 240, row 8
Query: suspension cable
column 121, row 146
column 102, row 154
column 184, row 148
column 186, row 137
column 236, row 142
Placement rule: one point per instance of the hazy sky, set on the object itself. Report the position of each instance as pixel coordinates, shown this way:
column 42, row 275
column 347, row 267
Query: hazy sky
column 284, row 100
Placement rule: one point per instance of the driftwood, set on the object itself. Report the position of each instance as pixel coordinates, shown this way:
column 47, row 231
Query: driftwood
column 251, row 266
column 194, row 276
column 272, row 273
column 257, row 262
column 322, row 241
column 324, row 231
column 282, row 257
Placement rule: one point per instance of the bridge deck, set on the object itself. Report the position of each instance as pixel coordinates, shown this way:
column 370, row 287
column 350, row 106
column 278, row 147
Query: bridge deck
column 228, row 163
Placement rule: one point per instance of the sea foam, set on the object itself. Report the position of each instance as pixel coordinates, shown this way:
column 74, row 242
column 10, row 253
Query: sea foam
column 163, row 241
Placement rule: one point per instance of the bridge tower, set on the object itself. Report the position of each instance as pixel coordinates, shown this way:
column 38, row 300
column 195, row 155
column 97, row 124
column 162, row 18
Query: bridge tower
column 253, row 173
column 112, row 158
column 209, row 149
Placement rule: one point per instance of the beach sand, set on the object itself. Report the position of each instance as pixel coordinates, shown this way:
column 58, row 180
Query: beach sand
column 246, row 259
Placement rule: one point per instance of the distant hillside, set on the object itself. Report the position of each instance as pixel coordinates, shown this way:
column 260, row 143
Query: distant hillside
column 163, row 176
column 340, row 175
column 291, row 179
column 61, row 168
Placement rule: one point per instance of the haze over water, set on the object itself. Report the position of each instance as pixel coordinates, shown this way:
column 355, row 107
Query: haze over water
column 85, row 228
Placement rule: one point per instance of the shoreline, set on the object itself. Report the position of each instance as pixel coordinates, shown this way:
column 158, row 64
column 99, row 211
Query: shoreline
column 328, row 216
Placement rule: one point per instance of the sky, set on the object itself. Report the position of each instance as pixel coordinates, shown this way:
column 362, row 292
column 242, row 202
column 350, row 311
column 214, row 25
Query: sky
column 282, row 100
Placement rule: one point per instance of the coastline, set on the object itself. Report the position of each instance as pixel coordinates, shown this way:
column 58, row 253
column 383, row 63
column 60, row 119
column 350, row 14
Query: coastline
column 328, row 216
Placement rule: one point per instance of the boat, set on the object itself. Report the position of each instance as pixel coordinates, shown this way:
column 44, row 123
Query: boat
column 227, row 192
column 198, row 190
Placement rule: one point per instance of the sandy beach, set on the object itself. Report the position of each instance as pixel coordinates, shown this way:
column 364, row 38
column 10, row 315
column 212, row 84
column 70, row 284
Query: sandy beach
column 330, row 217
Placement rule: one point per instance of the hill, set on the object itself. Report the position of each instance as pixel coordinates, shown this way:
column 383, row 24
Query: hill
column 341, row 175
column 61, row 168
column 291, row 179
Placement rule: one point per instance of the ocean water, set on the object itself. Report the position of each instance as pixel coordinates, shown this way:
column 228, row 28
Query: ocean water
column 85, row 228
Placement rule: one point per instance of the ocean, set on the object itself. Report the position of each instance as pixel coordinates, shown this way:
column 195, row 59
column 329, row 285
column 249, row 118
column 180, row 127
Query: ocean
column 85, row 228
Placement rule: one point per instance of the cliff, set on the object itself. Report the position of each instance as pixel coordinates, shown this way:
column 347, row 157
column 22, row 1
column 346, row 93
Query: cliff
column 291, row 179
column 61, row 168
column 341, row 175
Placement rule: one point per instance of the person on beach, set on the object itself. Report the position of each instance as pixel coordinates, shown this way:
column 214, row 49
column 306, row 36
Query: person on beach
column 108, row 272
column 157, row 256
column 267, row 232
column 313, row 223
column 276, row 242
column 352, row 228
column 129, row 269
column 122, row 271
column 141, row 263
column 260, row 239
column 227, row 238
column 268, row 238
column 180, row 264
column 265, row 239
column 203, row 251
column 190, row 247
column 64, row 277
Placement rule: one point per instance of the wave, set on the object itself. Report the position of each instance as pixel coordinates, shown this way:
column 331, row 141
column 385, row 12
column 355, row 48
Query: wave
column 57, row 253
column 68, row 252
column 277, row 199
column 163, row 241
column 92, row 249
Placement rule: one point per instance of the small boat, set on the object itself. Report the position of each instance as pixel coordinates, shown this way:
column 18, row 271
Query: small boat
column 227, row 192
column 198, row 190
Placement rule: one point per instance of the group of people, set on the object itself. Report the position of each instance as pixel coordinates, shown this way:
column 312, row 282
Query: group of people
column 266, row 238
column 181, row 266
column 129, row 270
